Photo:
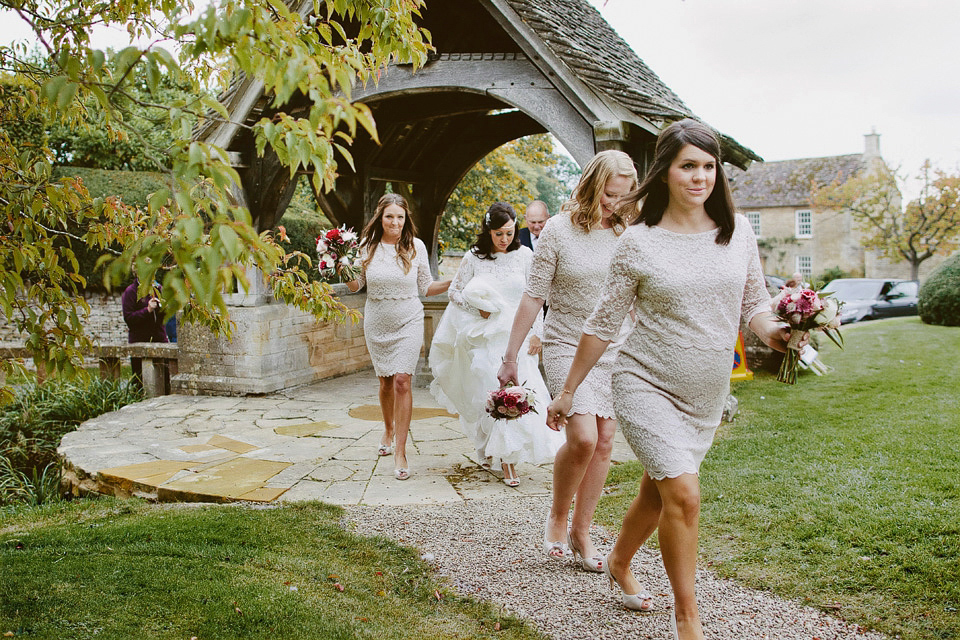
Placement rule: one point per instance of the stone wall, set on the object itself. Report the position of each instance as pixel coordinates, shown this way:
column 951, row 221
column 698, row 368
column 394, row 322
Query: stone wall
column 104, row 324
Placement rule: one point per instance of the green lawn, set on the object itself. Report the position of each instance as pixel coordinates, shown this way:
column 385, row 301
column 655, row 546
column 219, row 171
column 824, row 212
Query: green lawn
column 119, row 570
column 843, row 491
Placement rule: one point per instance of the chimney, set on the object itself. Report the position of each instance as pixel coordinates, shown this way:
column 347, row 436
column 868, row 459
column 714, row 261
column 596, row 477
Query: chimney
column 872, row 144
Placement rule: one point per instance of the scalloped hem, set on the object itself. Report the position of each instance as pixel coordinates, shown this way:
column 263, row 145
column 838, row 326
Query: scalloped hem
column 387, row 375
column 671, row 474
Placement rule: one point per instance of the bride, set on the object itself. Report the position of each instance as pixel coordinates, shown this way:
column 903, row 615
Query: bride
column 472, row 335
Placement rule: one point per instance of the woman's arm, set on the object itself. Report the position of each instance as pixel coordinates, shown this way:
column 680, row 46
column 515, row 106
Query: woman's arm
column 589, row 351
column 527, row 312
column 437, row 287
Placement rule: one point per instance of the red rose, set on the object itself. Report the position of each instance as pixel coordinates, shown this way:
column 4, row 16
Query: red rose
column 509, row 401
column 333, row 234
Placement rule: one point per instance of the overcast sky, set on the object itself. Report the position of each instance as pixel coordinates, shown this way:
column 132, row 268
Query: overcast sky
column 808, row 78
column 796, row 78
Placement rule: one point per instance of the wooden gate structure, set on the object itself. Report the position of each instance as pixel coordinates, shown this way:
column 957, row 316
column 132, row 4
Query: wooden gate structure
column 502, row 69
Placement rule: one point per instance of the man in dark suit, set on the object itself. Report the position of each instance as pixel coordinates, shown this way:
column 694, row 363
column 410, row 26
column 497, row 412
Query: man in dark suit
column 536, row 215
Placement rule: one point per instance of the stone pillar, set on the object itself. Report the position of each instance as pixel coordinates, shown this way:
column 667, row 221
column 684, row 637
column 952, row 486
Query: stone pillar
column 433, row 309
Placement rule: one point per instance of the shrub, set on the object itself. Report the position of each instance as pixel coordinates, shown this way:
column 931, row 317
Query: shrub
column 833, row 273
column 302, row 230
column 32, row 425
column 939, row 301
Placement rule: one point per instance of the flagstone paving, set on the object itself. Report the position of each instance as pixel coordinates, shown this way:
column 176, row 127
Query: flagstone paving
column 313, row 442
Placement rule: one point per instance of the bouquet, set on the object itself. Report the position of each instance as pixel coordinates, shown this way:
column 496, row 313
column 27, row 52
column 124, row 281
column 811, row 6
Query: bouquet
column 510, row 402
column 805, row 310
column 339, row 254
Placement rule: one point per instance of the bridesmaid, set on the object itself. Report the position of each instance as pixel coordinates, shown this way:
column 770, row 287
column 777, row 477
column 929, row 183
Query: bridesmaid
column 690, row 268
column 396, row 273
column 571, row 260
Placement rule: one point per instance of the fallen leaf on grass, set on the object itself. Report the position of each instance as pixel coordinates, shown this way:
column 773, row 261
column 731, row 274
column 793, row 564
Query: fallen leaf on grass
column 438, row 595
column 338, row 586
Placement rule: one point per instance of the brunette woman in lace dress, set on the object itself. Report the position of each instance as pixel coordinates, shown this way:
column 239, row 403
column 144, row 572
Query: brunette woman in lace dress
column 571, row 260
column 396, row 273
column 689, row 267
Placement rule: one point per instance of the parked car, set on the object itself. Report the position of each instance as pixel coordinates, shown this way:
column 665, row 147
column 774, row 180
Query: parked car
column 774, row 284
column 872, row 298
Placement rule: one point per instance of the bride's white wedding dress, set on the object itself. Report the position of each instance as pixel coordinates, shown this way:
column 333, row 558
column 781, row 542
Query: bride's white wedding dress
column 465, row 356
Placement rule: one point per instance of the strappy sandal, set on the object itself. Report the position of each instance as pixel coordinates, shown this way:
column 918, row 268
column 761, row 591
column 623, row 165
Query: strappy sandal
column 509, row 475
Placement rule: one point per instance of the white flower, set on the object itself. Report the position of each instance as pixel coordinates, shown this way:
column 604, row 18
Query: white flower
column 348, row 236
column 322, row 245
column 830, row 309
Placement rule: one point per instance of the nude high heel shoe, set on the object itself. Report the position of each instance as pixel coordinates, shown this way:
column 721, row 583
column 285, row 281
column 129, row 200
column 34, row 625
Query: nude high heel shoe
column 641, row 601
column 593, row 563
column 553, row 548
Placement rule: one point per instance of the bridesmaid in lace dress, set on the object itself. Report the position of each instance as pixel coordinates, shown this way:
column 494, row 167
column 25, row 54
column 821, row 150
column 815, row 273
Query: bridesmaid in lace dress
column 689, row 267
column 571, row 260
column 396, row 273
column 471, row 337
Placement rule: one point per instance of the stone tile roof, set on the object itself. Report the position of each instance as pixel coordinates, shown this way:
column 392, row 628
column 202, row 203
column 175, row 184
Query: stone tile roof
column 787, row 183
column 579, row 35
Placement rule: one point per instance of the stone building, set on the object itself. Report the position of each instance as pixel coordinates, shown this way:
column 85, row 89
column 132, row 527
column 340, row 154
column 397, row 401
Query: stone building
column 792, row 235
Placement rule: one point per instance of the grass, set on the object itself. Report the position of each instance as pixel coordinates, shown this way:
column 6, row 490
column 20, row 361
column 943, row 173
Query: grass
column 842, row 491
column 120, row 570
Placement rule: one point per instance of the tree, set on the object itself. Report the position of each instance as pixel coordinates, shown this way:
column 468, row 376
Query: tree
column 517, row 172
column 192, row 237
column 929, row 225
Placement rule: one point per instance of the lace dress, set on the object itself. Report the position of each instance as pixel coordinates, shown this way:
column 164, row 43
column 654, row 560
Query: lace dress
column 465, row 356
column 569, row 268
column 672, row 374
column 393, row 313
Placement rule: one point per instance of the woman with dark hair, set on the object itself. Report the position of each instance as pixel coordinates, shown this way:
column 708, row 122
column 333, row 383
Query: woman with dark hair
column 471, row 336
column 572, row 257
column 690, row 268
column 396, row 273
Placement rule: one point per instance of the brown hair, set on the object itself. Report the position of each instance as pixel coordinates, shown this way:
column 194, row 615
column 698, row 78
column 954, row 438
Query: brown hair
column 497, row 216
column 584, row 204
column 373, row 232
column 655, row 193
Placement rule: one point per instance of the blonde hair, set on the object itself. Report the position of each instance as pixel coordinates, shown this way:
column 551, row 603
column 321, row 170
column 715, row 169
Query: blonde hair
column 584, row 204
column 373, row 232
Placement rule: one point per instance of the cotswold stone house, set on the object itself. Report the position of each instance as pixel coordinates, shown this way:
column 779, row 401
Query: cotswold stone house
column 775, row 197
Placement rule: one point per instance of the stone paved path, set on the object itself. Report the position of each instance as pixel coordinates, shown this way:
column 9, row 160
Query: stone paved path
column 315, row 442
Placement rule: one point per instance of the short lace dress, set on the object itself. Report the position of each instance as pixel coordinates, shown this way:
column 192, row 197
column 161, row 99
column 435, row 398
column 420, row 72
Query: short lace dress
column 568, row 271
column 465, row 356
column 672, row 374
column 393, row 313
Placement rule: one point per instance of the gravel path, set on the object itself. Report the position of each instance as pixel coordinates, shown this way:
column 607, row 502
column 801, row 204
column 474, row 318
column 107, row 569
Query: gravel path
column 489, row 549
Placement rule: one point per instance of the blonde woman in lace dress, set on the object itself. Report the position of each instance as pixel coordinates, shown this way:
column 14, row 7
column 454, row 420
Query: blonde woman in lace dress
column 690, row 268
column 396, row 273
column 569, row 266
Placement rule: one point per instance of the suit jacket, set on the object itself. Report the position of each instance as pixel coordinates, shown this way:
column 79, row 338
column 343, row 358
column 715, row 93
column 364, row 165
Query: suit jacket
column 525, row 238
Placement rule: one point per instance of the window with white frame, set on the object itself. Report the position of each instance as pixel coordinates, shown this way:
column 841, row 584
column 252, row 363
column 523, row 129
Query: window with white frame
column 804, row 224
column 754, row 218
column 805, row 267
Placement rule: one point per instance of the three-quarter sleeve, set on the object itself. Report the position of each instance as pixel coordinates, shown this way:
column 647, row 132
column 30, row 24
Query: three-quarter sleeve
column 544, row 265
column 618, row 295
column 756, row 298
column 464, row 275
column 422, row 264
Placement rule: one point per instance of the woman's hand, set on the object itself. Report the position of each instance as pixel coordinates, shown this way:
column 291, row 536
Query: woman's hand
column 535, row 345
column 558, row 410
column 484, row 314
column 775, row 334
column 508, row 373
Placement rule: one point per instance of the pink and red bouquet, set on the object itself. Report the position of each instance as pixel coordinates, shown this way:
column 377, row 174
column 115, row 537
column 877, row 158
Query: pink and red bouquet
column 338, row 252
column 805, row 310
column 510, row 402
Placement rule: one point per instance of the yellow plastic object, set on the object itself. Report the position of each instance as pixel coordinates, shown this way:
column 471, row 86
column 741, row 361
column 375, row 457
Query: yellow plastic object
column 740, row 370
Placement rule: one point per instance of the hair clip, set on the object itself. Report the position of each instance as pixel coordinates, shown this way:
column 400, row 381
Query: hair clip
column 486, row 219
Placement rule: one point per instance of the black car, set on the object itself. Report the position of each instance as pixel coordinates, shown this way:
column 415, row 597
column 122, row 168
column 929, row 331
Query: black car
column 872, row 298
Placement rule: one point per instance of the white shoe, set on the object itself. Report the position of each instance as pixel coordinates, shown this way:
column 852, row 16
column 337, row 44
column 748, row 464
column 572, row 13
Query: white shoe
column 642, row 601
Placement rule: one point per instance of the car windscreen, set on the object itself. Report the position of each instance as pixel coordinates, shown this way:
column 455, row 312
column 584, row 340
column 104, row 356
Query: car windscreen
column 854, row 289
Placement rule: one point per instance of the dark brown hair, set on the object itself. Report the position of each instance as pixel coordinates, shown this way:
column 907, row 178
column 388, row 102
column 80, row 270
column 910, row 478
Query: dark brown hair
column 655, row 193
column 373, row 232
column 497, row 216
